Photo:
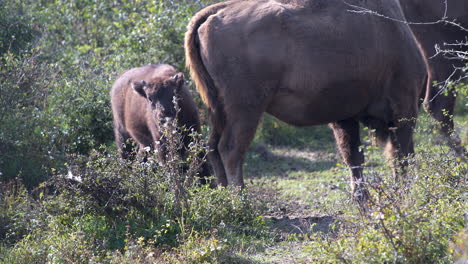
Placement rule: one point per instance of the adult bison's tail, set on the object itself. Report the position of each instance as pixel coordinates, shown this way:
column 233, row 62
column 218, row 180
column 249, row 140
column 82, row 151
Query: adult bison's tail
column 427, row 86
column 203, row 81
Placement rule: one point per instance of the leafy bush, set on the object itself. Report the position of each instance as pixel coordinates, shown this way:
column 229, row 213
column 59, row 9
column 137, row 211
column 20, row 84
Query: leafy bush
column 16, row 31
column 24, row 127
column 106, row 204
column 413, row 221
column 57, row 244
column 18, row 213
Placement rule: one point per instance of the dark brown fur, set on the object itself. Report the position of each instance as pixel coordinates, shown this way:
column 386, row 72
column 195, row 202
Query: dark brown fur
column 439, row 105
column 306, row 63
column 139, row 118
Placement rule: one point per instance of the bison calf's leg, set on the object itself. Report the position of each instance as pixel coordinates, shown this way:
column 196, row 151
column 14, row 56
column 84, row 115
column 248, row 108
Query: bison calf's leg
column 124, row 144
column 347, row 139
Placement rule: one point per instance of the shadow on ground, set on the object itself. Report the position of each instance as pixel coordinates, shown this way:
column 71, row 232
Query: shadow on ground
column 264, row 160
column 236, row 259
column 286, row 226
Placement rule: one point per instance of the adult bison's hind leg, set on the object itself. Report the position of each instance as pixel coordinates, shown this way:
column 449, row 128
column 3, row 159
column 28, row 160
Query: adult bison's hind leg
column 213, row 155
column 348, row 142
column 400, row 146
column 238, row 133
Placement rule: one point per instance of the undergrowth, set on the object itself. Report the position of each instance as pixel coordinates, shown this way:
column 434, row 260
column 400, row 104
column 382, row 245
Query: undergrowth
column 418, row 219
column 118, row 211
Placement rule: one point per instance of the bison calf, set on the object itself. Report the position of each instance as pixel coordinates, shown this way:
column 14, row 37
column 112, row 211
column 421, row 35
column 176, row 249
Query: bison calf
column 142, row 100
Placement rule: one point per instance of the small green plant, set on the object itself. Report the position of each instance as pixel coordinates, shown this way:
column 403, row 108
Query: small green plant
column 18, row 212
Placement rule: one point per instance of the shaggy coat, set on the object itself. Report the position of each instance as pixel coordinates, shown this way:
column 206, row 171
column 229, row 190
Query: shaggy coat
column 142, row 100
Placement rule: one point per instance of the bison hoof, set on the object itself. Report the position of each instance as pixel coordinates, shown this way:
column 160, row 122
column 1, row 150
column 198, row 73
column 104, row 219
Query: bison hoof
column 362, row 197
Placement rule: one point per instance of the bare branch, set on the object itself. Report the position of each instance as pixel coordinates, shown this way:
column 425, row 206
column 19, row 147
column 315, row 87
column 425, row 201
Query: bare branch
column 450, row 53
column 443, row 20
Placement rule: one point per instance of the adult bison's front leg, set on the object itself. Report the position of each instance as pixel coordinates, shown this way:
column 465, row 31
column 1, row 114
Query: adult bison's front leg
column 347, row 139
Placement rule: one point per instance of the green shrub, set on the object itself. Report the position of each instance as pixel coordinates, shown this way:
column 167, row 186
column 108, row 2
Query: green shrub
column 17, row 33
column 107, row 204
column 24, row 127
column 57, row 244
column 413, row 221
column 18, row 213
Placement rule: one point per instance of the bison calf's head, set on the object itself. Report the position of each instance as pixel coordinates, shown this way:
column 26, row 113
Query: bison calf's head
column 160, row 94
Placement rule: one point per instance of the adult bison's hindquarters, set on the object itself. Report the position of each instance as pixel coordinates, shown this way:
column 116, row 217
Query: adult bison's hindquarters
column 142, row 100
column 306, row 63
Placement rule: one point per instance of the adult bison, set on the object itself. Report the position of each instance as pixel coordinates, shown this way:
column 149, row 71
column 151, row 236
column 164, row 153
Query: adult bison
column 142, row 100
column 422, row 12
column 306, row 63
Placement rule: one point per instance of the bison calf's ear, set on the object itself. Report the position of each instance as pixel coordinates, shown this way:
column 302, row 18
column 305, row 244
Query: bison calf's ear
column 179, row 80
column 139, row 87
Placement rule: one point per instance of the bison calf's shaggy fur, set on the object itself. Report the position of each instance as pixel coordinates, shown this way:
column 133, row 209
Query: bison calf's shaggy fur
column 142, row 100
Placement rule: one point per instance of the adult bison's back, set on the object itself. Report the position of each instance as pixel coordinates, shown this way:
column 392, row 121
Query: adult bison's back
column 306, row 63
